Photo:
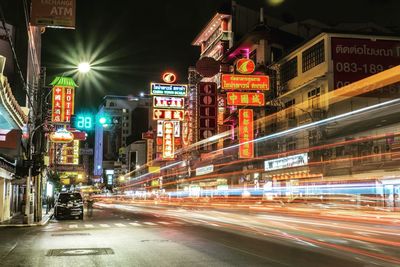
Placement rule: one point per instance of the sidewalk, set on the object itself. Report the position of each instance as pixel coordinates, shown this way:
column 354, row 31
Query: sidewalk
column 17, row 220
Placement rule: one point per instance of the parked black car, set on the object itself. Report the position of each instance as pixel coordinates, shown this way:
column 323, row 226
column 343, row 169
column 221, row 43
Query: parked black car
column 68, row 205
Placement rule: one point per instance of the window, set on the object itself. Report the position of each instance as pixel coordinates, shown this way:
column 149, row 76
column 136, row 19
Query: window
column 111, row 104
column 313, row 56
column 288, row 70
column 290, row 112
column 276, row 53
column 313, row 98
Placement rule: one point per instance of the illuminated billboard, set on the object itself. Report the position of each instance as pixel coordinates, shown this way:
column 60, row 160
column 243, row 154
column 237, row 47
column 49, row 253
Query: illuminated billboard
column 168, row 114
column 168, row 102
column 165, row 89
column 62, row 104
column 244, row 82
column 246, row 134
column 245, row 66
column 245, row 99
column 168, row 141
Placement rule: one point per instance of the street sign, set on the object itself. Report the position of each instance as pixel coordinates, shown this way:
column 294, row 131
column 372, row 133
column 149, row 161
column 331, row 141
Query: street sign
column 86, row 151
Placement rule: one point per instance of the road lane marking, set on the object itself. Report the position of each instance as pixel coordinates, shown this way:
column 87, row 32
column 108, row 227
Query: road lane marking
column 104, row 225
column 73, row 226
column 134, row 224
column 120, row 224
column 149, row 223
column 89, row 225
column 166, row 223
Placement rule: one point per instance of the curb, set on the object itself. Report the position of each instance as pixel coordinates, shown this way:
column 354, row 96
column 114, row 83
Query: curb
column 41, row 223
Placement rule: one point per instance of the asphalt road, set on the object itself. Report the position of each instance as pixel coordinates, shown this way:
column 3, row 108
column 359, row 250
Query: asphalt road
column 125, row 237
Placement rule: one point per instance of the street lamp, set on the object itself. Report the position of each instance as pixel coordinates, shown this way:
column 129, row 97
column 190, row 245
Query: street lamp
column 84, row 67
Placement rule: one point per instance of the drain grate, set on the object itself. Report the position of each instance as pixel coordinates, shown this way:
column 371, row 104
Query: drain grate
column 80, row 252
column 70, row 234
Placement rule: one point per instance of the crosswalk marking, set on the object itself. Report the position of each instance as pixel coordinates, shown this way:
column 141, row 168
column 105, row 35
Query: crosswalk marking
column 73, row 226
column 104, row 225
column 89, row 225
column 135, row 224
column 166, row 223
column 149, row 223
column 120, row 224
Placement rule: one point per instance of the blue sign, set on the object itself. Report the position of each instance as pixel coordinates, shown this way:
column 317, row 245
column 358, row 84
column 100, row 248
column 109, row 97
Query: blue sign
column 168, row 89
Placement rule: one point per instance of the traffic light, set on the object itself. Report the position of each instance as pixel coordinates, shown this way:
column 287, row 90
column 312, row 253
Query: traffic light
column 104, row 119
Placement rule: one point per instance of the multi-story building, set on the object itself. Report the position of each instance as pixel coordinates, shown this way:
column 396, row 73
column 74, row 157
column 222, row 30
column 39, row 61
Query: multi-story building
column 112, row 138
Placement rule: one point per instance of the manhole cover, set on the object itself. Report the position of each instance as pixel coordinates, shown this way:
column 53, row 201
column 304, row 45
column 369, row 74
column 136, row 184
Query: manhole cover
column 70, row 234
column 79, row 251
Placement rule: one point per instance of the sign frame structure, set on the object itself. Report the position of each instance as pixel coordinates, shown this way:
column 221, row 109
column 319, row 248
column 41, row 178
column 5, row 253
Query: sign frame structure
column 167, row 89
column 168, row 114
column 168, row 146
column 245, row 82
column 174, row 102
column 245, row 99
column 246, row 134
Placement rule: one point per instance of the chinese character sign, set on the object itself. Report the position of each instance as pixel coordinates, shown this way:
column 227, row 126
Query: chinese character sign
column 168, row 140
column 62, row 104
column 168, row 114
column 246, row 134
column 245, row 99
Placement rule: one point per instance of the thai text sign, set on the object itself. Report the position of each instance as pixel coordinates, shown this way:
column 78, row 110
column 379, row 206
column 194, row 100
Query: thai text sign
column 62, row 104
column 246, row 133
column 168, row 141
column 168, row 102
column 204, row 170
column 245, row 99
column 168, row 89
column 356, row 58
column 53, row 13
column 168, row 114
column 244, row 82
column 286, row 162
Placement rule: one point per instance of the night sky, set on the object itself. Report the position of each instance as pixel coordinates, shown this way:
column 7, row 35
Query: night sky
column 131, row 43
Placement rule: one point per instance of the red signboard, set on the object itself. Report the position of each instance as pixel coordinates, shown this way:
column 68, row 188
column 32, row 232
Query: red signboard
column 355, row 58
column 168, row 114
column 245, row 99
column 244, row 82
column 68, row 103
column 168, row 141
column 207, row 93
column 62, row 104
column 246, row 134
column 168, row 102
column 245, row 66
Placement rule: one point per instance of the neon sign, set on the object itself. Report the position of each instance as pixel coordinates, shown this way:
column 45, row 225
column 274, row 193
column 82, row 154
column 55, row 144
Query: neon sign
column 245, row 99
column 168, row 114
column 165, row 89
column 169, row 77
column 168, row 102
column 168, row 141
column 245, row 66
column 244, row 82
column 246, row 134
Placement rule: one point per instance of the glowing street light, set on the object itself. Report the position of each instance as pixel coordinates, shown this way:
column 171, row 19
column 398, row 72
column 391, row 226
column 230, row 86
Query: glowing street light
column 84, row 67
